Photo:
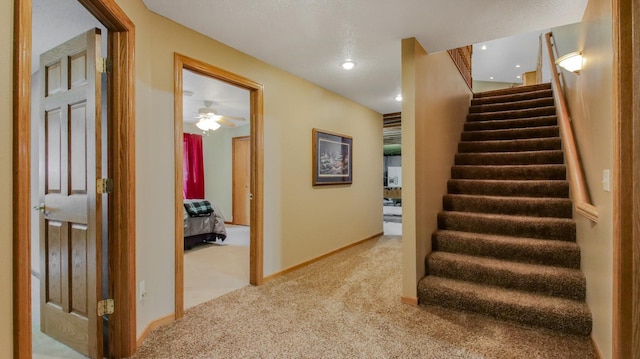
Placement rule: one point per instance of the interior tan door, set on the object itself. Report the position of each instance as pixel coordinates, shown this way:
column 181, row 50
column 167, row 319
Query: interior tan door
column 241, row 162
column 70, row 223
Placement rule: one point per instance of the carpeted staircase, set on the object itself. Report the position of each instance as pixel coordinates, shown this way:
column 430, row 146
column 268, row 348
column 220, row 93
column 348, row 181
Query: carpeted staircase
column 505, row 244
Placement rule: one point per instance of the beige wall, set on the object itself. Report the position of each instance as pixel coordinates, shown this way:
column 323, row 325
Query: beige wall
column 434, row 109
column 590, row 97
column 217, row 157
column 481, row 86
column 301, row 222
column 6, row 42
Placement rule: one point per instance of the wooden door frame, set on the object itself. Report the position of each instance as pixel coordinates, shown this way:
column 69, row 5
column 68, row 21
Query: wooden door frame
column 121, row 145
column 182, row 62
column 233, row 173
column 626, row 202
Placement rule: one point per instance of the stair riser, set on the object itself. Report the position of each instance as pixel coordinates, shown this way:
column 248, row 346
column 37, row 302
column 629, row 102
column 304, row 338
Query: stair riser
column 513, row 134
column 558, row 189
column 512, row 98
column 510, row 206
column 512, row 91
column 537, row 172
column 510, row 106
column 563, row 286
column 545, row 144
column 523, row 158
column 511, row 124
column 506, row 115
column 515, row 250
column 569, row 323
column 505, row 226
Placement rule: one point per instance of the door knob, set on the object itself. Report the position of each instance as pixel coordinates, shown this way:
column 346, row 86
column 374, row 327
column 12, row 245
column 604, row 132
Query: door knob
column 42, row 209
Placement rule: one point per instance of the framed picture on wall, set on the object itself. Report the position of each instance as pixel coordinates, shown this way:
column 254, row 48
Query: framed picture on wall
column 332, row 158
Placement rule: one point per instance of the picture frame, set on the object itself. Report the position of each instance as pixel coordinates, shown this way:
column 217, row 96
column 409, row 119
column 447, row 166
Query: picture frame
column 332, row 158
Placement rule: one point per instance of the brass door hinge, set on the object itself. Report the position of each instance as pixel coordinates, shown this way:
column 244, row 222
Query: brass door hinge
column 104, row 185
column 106, row 307
column 103, row 65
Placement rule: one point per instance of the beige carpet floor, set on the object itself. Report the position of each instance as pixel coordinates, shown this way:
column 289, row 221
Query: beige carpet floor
column 213, row 270
column 346, row 306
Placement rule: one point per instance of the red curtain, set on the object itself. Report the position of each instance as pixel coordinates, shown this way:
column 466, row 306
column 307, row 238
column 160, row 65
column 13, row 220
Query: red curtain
column 192, row 167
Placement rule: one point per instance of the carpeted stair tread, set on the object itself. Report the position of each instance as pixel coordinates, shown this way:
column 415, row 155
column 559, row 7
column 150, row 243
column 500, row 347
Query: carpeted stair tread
column 529, row 188
column 510, row 158
column 518, row 206
column 514, row 105
column 506, row 239
column 512, row 90
column 525, row 250
column 510, row 172
column 559, row 314
column 516, row 226
column 530, row 95
column 535, row 144
column 511, row 134
column 510, row 124
column 513, row 114
column 542, row 279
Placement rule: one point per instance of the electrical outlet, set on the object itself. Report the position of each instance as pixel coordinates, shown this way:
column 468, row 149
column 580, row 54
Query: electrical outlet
column 142, row 291
column 606, row 181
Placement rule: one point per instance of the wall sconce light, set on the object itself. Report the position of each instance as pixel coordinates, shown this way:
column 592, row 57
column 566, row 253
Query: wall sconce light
column 571, row 62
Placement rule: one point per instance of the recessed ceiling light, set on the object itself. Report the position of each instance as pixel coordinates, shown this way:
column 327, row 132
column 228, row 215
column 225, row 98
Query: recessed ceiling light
column 399, row 97
column 518, row 76
column 348, row 64
column 491, row 78
column 483, row 47
column 517, row 65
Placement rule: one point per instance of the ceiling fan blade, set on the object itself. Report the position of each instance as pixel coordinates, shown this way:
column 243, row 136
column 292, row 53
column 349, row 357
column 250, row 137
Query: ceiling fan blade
column 227, row 123
column 235, row 118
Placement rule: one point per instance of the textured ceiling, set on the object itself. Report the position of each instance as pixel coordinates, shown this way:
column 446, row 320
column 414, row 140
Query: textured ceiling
column 227, row 100
column 309, row 38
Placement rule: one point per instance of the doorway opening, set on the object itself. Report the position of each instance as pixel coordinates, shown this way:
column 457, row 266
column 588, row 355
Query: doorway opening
column 392, row 171
column 246, row 123
column 62, row 326
column 72, row 73
column 216, row 174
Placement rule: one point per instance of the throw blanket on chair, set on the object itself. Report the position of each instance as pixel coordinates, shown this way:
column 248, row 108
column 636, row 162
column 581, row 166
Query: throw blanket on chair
column 201, row 208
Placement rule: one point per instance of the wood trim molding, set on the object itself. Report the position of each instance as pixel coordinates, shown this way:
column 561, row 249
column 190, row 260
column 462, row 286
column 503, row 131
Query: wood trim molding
column 257, row 169
column 409, row 300
column 153, row 325
column 323, row 256
column 626, row 200
column 21, row 172
column 121, row 169
column 596, row 348
column 178, row 131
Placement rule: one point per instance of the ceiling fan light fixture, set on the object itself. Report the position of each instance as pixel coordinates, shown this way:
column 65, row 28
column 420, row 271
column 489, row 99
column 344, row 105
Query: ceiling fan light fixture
column 208, row 123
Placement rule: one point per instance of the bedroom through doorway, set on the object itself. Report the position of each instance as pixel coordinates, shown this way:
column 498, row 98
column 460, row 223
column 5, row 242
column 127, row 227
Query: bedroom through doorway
column 216, row 187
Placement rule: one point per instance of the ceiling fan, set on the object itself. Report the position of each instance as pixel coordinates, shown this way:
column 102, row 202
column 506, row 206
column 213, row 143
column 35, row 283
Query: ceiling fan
column 209, row 119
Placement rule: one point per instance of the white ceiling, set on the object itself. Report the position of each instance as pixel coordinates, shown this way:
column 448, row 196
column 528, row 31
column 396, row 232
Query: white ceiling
column 309, row 38
column 491, row 64
column 227, row 100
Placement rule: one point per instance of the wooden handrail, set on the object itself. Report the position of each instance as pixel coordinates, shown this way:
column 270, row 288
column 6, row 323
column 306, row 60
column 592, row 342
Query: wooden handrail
column 539, row 65
column 579, row 190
